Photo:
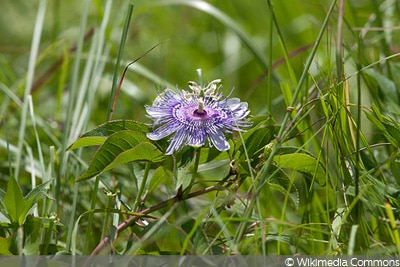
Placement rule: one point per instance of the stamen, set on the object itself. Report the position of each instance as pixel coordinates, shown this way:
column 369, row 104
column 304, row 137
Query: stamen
column 200, row 109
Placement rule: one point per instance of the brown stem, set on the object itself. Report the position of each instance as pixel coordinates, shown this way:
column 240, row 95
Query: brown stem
column 123, row 77
column 125, row 224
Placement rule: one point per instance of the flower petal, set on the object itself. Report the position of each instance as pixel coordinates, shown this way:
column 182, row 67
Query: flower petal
column 218, row 140
column 157, row 112
column 176, row 142
column 163, row 131
column 233, row 103
column 197, row 138
column 239, row 109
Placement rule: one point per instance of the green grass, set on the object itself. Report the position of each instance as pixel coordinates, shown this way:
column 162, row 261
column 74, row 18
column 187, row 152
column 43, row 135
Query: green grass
column 316, row 174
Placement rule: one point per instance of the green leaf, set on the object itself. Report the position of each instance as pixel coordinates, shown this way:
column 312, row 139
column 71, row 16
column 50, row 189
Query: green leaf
column 5, row 246
column 14, row 201
column 35, row 192
column 294, row 195
column 388, row 90
column 169, row 238
column 302, row 163
column 30, row 198
column 87, row 141
column 214, row 170
column 160, row 175
column 18, row 206
column 194, row 234
column 389, row 126
column 286, row 92
column 184, row 176
column 2, row 194
column 33, row 234
column 376, row 120
column 4, row 219
column 141, row 152
column 98, row 135
column 395, row 168
column 112, row 127
column 120, row 148
column 258, row 136
column 393, row 132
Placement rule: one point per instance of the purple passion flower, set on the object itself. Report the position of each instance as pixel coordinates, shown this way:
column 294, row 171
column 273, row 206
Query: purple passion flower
column 192, row 118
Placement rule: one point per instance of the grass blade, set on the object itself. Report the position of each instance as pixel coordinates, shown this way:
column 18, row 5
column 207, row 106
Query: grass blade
column 37, row 33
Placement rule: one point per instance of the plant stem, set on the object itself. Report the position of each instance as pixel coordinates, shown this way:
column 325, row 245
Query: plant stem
column 196, row 155
column 110, row 204
column 142, row 186
column 72, row 216
column 111, row 103
column 47, row 236
column 92, row 206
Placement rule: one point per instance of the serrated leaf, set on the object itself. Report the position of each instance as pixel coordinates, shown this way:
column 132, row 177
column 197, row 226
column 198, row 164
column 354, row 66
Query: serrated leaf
column 302, row 163
column 98, row 135
column 87, row 141
column 141, row 152
column 120, row 148
column 14, row 201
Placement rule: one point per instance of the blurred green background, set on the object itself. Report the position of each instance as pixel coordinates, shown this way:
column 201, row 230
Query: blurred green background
column 190, row 38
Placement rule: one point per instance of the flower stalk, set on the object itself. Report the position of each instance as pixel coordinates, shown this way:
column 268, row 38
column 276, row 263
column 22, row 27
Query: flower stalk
column 196, row 159
column 139, row 196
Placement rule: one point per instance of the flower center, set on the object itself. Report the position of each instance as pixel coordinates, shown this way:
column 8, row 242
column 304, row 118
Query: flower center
column 196, row 113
